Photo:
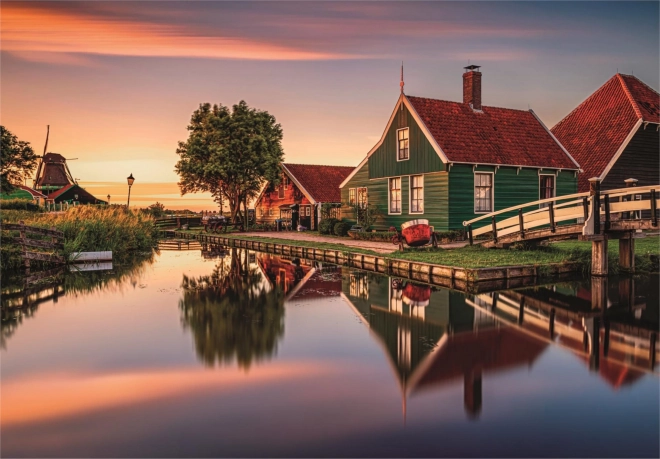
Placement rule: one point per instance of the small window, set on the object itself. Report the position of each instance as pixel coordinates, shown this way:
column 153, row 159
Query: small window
column 285, row 181
column 362, row 199
column 483, row 192
column 546, row 188
column 271, row 212
column 351, row 196
column 395, row 195
column 417, row 194
column 403, row 152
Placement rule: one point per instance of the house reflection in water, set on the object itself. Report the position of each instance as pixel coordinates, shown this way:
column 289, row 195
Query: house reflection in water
column 282, row 271
column 433, row 337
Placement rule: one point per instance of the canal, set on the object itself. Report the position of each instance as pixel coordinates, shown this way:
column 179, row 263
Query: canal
column 243, row 354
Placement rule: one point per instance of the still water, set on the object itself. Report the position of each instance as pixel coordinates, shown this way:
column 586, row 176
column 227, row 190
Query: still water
column 246, row 354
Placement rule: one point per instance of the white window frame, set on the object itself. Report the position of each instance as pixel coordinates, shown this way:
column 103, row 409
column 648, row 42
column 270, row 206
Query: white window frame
column 366, row 196
column 389, row 196
column 554, row 188
column 492, row 192
column 398, row 151
column 410, row 180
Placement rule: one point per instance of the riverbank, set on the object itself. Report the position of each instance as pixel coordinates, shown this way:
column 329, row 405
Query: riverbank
column 85, row 228
column 574, row 253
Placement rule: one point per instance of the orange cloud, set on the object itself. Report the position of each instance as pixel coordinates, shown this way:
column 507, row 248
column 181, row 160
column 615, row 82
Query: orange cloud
column 28, row 29
column 58, row 395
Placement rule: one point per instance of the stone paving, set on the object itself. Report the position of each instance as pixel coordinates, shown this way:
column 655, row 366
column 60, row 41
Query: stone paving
column 380, row 247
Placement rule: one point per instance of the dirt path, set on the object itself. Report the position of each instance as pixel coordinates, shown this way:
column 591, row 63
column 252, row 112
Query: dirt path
column 380, row 247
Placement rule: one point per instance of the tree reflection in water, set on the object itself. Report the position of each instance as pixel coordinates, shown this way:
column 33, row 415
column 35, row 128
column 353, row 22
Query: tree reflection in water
column 233, row 313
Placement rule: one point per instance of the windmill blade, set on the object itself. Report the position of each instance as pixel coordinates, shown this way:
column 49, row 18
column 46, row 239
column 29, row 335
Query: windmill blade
column 41, row 158
column 47, row 134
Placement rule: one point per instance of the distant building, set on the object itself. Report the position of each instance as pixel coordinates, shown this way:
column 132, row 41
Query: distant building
column 302, row 191
column 54, row 179
column 448, row 162
column 27, row 193
column 74, row 193
column 613, row 134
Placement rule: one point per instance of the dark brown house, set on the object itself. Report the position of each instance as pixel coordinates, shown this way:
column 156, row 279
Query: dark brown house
column 613, row 134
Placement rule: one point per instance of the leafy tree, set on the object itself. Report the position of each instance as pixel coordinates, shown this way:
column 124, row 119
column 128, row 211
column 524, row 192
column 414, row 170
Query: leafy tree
column 230, row 153
column 18, row 161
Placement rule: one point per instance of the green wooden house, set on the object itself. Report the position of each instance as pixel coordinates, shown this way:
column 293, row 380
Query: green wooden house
column 449, row 162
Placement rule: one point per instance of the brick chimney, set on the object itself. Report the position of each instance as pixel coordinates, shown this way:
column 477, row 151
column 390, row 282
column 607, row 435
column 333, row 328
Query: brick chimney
column 472, row 86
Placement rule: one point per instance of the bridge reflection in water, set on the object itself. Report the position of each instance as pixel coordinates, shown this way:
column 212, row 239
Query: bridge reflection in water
column 434, row 337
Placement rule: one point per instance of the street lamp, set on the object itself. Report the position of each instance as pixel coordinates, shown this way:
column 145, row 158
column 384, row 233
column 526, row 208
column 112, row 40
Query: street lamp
column 130, row 180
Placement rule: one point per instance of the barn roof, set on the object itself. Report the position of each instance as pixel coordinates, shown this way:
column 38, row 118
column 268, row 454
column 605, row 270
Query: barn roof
column 492, row 135
column 320, row 183
column 597, row 129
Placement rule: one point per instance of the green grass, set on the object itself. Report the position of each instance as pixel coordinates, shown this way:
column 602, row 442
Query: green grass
column 86, row 228
column 479, row 257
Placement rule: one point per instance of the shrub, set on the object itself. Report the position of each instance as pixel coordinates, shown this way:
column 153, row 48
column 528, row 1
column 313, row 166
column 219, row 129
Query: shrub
column 341, row 228
column 382, row 236
column 20, row 204
column 327, row 225
column 451, row 236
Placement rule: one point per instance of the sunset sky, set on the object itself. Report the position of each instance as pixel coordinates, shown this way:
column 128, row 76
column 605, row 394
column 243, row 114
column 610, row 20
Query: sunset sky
column 118, row 81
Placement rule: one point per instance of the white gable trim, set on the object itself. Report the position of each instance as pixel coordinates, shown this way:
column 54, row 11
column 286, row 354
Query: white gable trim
column 619, row 152
column 300, row 187
column 555, row 139
column 402, row 100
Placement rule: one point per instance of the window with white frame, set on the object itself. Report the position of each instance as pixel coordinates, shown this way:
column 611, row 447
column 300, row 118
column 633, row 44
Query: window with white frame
column 546, row 188
column 395, row 195
column 403, row 151
column 351, row 196
column 362, row 199
column 483, row 192
column 416, row 194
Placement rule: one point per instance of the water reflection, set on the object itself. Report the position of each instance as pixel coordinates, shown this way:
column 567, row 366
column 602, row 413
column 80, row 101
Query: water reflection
column 21, row 296
column 237, row 312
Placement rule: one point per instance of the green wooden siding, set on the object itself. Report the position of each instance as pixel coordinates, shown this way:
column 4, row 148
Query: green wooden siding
column 435, row 199
column 423, row 158
column 512, row 187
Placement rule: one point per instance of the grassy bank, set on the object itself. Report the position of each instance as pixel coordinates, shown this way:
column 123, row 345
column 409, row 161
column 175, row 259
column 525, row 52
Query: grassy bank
column 86, row 228
column 647, row 251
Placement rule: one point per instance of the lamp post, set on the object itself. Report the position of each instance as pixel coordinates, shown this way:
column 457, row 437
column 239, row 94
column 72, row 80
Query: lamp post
column 130, row 180
column 108, row 199
column 75, row 199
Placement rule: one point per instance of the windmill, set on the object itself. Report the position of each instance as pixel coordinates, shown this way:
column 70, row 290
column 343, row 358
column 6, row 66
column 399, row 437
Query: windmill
column 52, row 172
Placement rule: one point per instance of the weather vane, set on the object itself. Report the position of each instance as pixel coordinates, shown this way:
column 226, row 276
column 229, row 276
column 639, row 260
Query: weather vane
column 401, row 84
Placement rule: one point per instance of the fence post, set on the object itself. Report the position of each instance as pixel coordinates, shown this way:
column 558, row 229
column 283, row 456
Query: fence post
column 654, row 210
column 594, row 191
column 521, row 223
column 494, row 228
column 551, row 211
column 22, row 235
column 608, row 224
column 470, row 233
column 585, row 206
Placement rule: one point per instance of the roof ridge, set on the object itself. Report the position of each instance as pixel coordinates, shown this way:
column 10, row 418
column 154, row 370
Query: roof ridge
column 626, row 89
column 591, row 96
column 317, row 165
column 462, row 103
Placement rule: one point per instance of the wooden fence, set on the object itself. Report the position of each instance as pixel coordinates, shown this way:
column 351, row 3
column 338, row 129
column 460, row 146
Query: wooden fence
column 51, row 240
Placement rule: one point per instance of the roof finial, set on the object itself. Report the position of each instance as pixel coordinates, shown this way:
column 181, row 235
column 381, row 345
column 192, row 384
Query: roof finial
column 401, row 84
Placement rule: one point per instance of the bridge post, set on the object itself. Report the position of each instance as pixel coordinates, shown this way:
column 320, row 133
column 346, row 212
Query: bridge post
column 594, row 192
column 599, row 293
column 627, row 252
column 599, row 256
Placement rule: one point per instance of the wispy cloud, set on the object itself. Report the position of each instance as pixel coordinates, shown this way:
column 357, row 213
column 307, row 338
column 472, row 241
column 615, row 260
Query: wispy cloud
column 43, row 30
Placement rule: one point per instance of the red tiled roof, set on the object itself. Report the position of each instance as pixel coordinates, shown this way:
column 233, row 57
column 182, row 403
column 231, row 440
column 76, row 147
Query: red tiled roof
column 321, row 182
column 33, row 192
column 493, row 136
column 596, row 129
column 55, row 194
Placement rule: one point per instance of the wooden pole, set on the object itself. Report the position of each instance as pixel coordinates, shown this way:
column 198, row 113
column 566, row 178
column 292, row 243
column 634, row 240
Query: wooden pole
column 551, row 213
column 594, row 192
column 521, row 223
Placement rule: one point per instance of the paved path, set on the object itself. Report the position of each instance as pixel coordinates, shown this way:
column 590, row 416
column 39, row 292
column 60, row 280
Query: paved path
column 380, row 247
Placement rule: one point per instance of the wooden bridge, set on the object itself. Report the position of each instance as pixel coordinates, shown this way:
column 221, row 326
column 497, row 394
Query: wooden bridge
column 622, row 213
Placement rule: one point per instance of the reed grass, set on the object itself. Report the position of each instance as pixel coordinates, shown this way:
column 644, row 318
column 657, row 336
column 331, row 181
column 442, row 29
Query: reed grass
column 88, row 228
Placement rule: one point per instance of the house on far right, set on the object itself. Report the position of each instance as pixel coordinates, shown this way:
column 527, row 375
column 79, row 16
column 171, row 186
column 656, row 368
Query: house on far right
column 614, row 134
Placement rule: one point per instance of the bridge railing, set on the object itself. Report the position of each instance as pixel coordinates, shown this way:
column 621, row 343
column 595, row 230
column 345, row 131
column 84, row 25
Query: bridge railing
column 560, row 209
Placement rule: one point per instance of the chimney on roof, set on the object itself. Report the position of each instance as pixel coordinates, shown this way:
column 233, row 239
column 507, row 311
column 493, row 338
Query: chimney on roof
column 472, row 86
